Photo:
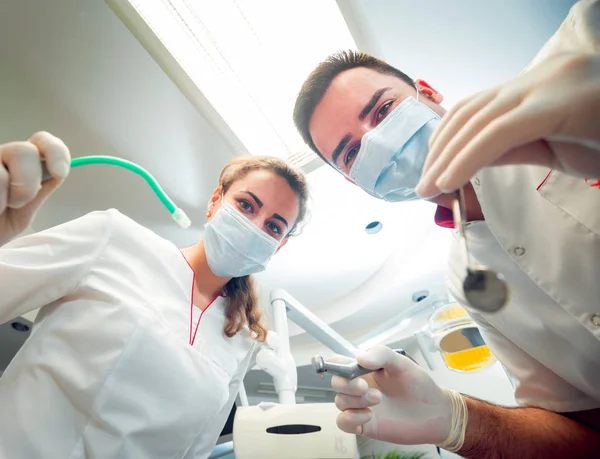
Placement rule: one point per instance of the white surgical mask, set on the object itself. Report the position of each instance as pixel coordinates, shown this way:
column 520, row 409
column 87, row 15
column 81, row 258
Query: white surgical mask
column 392, row 155
column 235, row 246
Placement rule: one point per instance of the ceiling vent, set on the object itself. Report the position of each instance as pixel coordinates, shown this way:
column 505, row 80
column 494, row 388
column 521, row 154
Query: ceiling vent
column 305, row 160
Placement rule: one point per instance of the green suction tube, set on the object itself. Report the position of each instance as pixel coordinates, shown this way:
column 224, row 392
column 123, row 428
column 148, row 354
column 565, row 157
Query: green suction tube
column 176, row 213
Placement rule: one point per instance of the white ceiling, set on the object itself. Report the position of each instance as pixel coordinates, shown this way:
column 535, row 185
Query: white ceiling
column 71, row 67
column 459, row 47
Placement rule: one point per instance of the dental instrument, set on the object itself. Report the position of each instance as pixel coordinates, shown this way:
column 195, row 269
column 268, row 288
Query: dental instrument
column 348, row 371
column 177, row 213
column 484, row 289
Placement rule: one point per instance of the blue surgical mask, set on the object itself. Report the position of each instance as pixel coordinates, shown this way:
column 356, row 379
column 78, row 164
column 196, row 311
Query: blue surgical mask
column 235, row 246
column 392, row 155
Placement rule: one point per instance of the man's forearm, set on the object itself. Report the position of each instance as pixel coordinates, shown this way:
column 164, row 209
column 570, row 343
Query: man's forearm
column 500, row 432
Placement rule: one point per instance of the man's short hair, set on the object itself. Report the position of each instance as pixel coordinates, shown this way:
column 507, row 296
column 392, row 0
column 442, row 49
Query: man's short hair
column 320, row 79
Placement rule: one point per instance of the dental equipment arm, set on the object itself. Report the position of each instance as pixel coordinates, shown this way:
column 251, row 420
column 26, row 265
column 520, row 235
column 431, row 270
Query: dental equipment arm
column 278, row 361
column 314, row 326
column 177, row 213
column 280, row 365
column 286, row 306
column 286, row 383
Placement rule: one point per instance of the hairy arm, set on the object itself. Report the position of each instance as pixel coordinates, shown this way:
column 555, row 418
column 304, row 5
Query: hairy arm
column 500, row 432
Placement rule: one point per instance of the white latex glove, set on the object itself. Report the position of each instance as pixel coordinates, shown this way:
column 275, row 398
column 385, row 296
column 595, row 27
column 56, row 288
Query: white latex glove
column 21, row 190
column 399, row 404
column 546, row 116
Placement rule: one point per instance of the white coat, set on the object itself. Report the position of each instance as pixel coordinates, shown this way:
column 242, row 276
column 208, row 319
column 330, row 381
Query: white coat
column 542, row 232
column 108, row 371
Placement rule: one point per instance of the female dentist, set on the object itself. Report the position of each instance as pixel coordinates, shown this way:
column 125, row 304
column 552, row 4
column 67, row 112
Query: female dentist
column 139, row 348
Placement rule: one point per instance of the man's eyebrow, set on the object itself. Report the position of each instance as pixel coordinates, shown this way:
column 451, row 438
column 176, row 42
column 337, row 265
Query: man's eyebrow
column 372, row 102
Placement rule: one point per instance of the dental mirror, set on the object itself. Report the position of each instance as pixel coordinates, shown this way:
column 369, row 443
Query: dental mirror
column 484, row 289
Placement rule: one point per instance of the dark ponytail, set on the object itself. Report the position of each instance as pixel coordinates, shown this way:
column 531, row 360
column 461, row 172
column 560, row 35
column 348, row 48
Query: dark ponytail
column 242, row 308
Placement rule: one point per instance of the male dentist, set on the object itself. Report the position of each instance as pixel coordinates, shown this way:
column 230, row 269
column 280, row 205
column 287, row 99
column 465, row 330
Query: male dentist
column 536, row 220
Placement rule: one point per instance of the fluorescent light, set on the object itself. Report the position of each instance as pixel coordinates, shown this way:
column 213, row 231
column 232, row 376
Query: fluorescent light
column 249, row 59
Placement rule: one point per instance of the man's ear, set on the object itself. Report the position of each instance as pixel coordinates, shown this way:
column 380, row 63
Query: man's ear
column 427, row 90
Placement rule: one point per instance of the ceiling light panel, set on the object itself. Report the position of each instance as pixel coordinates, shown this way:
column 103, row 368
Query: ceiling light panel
column 249, row 59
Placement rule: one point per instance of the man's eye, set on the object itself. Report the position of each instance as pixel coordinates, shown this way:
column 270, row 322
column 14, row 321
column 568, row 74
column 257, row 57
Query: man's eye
column 350, row 156
column 383, row 111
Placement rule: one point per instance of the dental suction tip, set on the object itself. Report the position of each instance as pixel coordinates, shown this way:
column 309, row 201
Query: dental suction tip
column 181, row 218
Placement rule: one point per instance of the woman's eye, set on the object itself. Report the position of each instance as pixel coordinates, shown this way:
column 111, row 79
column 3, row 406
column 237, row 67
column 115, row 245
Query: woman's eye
column 275, row 229
column 383, row 111
column 245, row 205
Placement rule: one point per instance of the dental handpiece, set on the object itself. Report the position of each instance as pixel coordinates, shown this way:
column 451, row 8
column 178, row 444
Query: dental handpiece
column 348, row 371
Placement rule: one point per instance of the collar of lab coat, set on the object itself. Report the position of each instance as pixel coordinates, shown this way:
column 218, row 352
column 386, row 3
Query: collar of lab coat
column 444, row 217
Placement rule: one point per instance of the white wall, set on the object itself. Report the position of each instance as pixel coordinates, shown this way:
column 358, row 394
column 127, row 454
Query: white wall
column 78, row 72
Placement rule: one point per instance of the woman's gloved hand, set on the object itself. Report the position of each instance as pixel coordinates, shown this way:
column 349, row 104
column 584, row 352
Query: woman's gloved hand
column 21, row 188
column 399, row 404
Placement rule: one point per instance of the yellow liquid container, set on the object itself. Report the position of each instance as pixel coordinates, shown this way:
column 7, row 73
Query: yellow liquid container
column 458, row 339
column 473, row 359
column 449, row 313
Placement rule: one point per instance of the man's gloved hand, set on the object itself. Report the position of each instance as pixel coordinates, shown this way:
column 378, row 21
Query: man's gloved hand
column 399, row 404
column 21, row 188
column 546, row 116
